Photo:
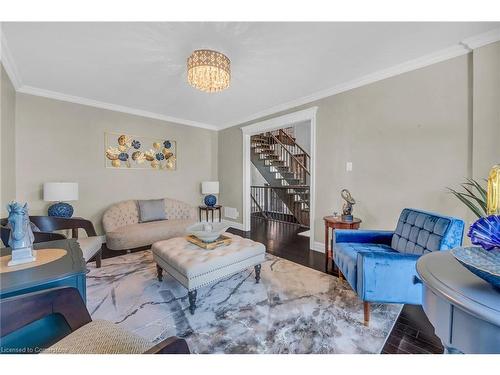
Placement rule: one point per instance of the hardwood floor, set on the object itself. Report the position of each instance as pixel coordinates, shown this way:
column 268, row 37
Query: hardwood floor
column 412, row 333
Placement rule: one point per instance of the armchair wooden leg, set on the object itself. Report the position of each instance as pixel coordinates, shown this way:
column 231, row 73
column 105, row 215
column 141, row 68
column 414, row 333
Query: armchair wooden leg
column 366, row 308
column 341, row 276
column 98, row 258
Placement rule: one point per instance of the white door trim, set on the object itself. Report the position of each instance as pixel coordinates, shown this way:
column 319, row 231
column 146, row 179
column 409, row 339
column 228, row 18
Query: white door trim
column 272, row 124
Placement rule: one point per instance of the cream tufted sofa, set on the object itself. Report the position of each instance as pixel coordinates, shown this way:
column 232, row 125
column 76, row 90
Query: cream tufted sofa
column 124, row 232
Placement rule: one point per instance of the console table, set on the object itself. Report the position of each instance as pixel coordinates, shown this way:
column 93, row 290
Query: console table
column 464, row 309
column 67, row 270
column 335, row 222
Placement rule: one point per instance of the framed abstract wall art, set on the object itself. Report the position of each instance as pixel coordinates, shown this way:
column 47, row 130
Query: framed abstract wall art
column 136, row 152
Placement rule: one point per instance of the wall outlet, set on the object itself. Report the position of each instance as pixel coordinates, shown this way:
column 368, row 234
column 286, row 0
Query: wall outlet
column 231, row 212
column 348, row 166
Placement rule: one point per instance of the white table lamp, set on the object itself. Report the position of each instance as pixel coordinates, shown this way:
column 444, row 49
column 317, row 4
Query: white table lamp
column 60, row 192
column 210, row 188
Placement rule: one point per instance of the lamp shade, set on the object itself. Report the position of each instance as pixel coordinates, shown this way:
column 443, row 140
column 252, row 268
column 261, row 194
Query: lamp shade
column 60, row 191
column 210, row 187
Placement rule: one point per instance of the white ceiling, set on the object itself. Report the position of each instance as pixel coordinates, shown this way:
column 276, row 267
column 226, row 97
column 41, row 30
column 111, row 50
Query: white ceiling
column 141, row 66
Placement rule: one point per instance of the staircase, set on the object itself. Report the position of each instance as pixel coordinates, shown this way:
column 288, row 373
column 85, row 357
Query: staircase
column 285, row 167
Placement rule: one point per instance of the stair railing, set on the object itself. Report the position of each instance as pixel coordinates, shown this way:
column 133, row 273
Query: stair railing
column 291, row 160
column 281, row 203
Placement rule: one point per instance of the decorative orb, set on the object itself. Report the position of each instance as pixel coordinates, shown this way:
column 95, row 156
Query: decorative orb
column 122, row 140
column 210, row 200
column 123, row 156
column 136, row 144
column 115, row 163
column 157, row 145
column 167, row 144
column 136, row 155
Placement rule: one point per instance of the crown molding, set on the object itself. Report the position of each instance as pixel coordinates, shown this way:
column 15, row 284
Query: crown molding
column 481, row 40
column 408, row 66
column 8, row 63
column 462, row 48
column 110, row 106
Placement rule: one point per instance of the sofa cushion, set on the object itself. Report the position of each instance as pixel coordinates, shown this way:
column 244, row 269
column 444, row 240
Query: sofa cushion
column 420, row 232
column 145, row 234
column 151, row 210
column 100, row 337
column 90, row 246
column 346, row 255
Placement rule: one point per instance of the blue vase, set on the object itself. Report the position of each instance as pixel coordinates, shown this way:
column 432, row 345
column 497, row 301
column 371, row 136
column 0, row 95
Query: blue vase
column 210, row 200
column 61, row 209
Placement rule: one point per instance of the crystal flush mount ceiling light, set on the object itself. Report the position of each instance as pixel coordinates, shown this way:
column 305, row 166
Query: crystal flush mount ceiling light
column 208, row 70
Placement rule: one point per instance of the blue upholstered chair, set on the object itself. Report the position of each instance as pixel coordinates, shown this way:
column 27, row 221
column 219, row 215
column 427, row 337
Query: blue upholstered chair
column 380, row 265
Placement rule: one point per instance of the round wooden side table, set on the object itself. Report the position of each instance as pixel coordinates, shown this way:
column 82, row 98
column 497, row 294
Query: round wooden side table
column 335, row 222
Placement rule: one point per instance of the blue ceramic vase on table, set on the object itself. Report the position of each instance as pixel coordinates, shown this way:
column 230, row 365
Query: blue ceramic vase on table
column 210, row 200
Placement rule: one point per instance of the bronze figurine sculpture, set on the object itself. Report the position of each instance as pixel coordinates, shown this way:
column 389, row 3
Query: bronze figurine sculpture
column 347, row 206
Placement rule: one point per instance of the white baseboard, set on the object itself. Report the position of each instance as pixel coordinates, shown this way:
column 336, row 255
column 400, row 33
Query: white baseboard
column 319, row 247
column 234, row 224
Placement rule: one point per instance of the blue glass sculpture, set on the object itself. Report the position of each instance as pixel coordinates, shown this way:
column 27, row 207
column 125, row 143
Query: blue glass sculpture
column 485, row 232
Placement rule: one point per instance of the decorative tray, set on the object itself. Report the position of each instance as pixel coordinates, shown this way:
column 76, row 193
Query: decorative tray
column 221, row 241
column 485, row 264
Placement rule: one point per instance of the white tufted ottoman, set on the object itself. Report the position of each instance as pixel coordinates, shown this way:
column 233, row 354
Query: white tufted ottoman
column 195, row 267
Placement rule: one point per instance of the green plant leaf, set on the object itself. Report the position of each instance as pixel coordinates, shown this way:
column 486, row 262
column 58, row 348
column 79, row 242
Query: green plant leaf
column 479, row 188
column 468, row 203
column 481, row 202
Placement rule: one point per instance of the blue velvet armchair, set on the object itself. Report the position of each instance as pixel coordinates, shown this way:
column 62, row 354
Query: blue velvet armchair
column 380, row 265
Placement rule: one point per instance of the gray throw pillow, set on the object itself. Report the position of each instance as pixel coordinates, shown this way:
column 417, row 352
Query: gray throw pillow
column 151, row 210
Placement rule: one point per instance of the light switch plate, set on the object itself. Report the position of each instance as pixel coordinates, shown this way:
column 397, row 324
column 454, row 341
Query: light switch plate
column 348, row 166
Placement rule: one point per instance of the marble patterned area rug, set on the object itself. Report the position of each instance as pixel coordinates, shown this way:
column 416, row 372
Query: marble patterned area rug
column 294, row 309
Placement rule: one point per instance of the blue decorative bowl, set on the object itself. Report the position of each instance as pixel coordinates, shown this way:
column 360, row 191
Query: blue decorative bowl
column 483, row 263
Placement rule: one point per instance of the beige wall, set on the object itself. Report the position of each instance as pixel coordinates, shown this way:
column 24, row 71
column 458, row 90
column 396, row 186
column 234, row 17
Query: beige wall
column 60, row 141
column 407, row 136
column 7, row 142
column 486, row 130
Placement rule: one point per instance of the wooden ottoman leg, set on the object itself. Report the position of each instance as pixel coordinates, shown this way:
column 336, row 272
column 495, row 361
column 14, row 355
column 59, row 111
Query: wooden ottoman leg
column 257, row 273
column 159, row 272
column 192, row 300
